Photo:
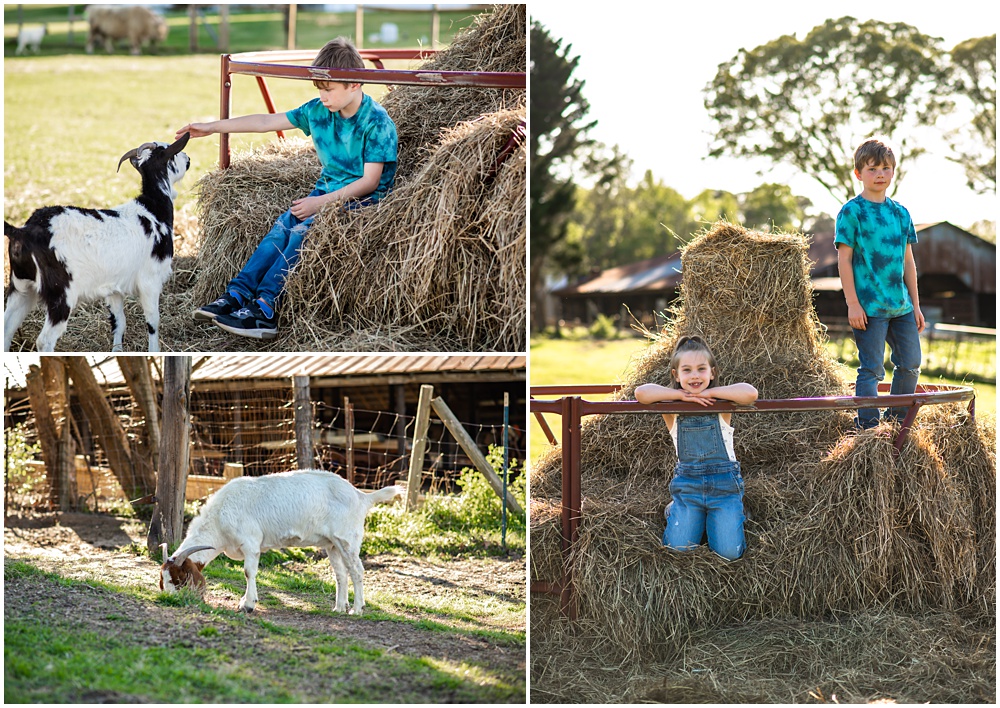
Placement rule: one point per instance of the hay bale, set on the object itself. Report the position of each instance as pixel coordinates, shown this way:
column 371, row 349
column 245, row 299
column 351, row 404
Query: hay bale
column 495, row 42
column 872, row 657
column 836, row 523
column 445, row 252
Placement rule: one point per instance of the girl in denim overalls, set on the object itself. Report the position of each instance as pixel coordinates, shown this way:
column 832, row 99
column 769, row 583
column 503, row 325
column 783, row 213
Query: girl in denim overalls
column 707, row 488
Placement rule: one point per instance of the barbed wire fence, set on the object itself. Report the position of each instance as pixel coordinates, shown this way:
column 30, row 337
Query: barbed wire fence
column 246, row 431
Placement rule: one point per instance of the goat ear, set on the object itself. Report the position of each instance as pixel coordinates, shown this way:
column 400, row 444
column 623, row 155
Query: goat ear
column 178, row 145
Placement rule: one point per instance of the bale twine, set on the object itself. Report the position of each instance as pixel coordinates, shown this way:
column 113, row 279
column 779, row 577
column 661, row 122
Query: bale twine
column 836, row 524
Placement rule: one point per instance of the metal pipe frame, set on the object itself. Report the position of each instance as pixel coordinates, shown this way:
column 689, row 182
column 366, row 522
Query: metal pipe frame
column 273, row 64
column 573, row 408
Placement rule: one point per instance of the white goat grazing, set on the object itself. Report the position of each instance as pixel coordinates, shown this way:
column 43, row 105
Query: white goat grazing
column 65, row 255
column 250, row 515
column 30, row 38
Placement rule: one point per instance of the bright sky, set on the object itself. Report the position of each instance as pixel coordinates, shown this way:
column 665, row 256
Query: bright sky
column 663, row 58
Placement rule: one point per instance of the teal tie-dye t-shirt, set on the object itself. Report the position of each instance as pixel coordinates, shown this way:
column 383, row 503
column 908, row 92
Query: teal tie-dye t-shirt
column 879, row 233
column 344, row 145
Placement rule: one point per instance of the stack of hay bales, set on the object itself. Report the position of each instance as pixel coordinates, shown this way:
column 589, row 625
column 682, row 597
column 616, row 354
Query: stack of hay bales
column 439, row 264
column 837, row 525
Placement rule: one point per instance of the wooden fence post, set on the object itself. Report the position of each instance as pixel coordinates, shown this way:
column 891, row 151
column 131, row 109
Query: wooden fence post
column 475, row 454
column 419, row 446
column 167, row 524
column 303, row 423
column 349, row 427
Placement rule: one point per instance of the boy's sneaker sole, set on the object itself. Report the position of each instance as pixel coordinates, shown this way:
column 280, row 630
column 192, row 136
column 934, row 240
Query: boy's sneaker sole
column 259, row 333
column 202, row 315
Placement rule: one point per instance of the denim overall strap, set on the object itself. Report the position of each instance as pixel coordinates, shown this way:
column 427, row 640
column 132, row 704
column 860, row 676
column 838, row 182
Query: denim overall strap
column 699, row 440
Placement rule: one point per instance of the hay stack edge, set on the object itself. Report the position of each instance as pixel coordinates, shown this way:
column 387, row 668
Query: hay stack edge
column 439, row 264
column 837, row 527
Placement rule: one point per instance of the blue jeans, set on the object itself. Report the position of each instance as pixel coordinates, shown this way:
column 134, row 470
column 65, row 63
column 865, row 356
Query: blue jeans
column 264, row 274
column 707, row 501
column 900, row 333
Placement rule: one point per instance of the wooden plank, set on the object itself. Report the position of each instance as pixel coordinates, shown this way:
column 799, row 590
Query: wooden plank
column 472, row 450
column 421, row 425
column 303, row 424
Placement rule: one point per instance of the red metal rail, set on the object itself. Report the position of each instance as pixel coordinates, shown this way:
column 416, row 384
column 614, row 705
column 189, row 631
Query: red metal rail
column 275, row 64
column 573, row 408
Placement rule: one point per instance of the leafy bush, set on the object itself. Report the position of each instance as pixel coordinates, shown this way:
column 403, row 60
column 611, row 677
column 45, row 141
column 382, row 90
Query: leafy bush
column 27, row 484
column 466, row 523
column 603, row 328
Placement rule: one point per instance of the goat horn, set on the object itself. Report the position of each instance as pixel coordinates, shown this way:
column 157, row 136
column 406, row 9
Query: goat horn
column 179, row 558
column 133, row 153
column 163, row 548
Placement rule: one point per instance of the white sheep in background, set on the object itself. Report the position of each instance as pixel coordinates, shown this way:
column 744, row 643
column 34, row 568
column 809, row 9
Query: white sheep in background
column 30, row 38
column 65, row 255
column 249, row 515
column 137, row 24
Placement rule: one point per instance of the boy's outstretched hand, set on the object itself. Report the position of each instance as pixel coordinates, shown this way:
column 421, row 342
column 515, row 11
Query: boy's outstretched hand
column 197, row 130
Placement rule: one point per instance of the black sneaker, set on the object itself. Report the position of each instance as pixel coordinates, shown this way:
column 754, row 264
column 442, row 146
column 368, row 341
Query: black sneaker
column 250, row 321
column 225, row 305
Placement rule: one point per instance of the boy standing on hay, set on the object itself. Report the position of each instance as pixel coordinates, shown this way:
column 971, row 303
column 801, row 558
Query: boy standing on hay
column 874, row 236
column 355, row 140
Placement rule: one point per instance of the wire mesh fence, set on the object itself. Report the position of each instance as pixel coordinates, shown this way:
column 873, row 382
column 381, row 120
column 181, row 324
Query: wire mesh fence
column 236, row 430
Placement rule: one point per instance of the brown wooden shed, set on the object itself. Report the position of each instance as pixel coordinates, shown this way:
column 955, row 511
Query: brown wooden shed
column 645, row 289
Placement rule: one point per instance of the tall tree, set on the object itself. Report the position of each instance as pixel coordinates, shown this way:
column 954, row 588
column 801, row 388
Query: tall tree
column 558, row 132
column 710, row 205
column 136, row 480
column 974, row 78
column 808, row 102
column 773, row 207
column 135, row 369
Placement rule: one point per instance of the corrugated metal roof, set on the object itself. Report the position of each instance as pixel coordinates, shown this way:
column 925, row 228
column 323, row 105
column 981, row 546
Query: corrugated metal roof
column 660, row 273
column 226, row 367
column 281, row 366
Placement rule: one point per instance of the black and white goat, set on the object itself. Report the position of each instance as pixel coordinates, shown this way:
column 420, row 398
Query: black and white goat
column 249, row 515
column 66, row 255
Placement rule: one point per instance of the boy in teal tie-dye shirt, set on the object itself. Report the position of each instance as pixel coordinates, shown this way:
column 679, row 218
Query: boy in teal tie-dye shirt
column 355, row 140
column 874, row 236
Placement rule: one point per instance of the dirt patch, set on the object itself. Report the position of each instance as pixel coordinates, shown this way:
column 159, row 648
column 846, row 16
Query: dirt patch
column 99, row 547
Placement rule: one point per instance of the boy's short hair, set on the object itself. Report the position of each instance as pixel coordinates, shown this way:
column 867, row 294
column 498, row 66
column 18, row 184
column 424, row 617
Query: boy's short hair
column 874, row 150
column 339, row 53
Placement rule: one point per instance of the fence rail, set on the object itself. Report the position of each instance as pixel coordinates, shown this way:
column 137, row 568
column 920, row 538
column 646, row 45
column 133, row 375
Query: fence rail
column 274, row 64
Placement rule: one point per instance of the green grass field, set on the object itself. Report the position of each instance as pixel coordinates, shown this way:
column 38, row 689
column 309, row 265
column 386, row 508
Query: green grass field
column 565, row 361
column 439, row 588
column 249, row 30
